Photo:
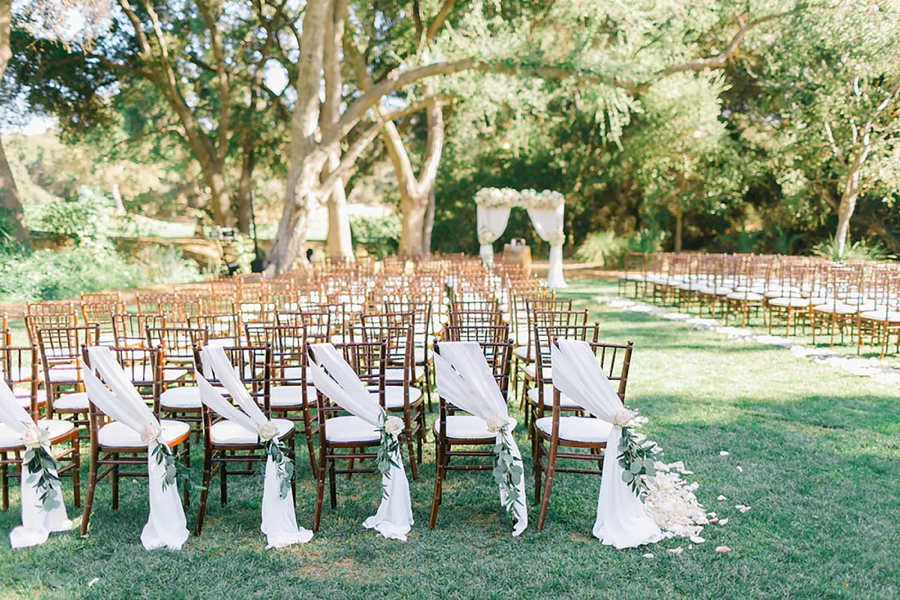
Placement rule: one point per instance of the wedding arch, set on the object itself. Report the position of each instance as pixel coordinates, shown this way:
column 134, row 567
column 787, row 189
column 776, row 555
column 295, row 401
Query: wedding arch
column 546, row 210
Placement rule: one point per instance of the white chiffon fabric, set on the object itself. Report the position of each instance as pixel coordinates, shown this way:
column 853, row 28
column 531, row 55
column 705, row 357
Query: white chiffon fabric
column 549, row 226
column 621, row 519
column 279, row 519
column 394, row 518
column 166, row 526
column 37, row 523
column 465, row 380
column 491, row 223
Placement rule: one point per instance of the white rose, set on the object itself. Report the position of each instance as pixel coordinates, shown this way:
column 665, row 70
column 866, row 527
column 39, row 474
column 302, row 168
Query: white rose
column 393, row 426
column 496, row 422
column 268, row 431
column 623, row 417
column 34, row 437
column 150, row 432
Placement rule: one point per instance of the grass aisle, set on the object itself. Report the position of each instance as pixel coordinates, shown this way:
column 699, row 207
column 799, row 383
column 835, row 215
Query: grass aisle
column 817, row 450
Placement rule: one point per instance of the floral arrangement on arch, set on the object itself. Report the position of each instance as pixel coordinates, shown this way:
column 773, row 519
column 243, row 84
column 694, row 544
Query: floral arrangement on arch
column 528, row 199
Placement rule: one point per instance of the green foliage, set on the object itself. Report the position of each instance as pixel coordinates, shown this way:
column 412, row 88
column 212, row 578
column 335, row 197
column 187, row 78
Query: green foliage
column 742, row 241
column 378, row 235
column 856, row 251
column 85, row 218
column 636, row 460
column 167, row 264
column 608, row 249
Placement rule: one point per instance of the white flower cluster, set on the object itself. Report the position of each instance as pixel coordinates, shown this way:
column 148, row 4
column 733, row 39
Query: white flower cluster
column 510, row 198
column 394, row 426
column 150, row 432
column 556, row 238
column 268, row 431
column 35, row 437
column 496, row 422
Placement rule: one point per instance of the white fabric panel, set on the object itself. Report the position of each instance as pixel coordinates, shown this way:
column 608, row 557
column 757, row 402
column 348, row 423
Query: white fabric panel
column 37, row 523
column 279, row 519
column 394, row 518
column 549, row 226
column 166, row 525
column 464, row 379
column 491, row 223
column 621, row 520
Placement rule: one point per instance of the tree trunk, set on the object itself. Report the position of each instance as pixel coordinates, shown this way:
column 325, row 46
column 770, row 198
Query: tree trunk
column 245, row 188
column 10, row 203
column 429, row 224
column 306, row 159
column 679, row 223
column 340, row 241
column 848, row 202
column 413, row 225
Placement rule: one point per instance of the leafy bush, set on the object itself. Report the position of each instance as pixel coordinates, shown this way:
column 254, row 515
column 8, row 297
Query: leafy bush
column 858, row 251
column 167, row 264
column 85, row 219
column 378, row 235
column 608, row 249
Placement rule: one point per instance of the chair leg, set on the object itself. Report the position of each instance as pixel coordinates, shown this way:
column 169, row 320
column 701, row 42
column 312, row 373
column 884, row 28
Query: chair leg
column 320, row 487
column 332, row 481
column 410, row 445
column 76, row 471
column 89, row 495
column 204, row 493
column 438, row 481
column 114, row 473
column 4, row 483
column 548, row 486
column 223, row 482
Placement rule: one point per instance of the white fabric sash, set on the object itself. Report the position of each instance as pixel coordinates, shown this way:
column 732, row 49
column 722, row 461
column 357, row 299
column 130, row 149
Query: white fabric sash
column 621, row 520
column 394, row 518
column 465, row 379
column 166, row 525
column 491, row 223
column 37, row 523
column 279, row 519
column 549, row 226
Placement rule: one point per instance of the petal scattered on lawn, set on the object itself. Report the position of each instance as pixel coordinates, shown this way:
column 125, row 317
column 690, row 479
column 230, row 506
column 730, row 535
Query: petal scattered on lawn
column 697, row 539
column 724, row 453
column 723, row 522
column 93, row 581
column 723, row 549
column 740, row 470
column 648, row 555
column 742, row 508
column 721, row 498
column 677, row 550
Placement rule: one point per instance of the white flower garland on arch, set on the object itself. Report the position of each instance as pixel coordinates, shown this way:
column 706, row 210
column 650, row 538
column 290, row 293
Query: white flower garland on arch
column 546, row 210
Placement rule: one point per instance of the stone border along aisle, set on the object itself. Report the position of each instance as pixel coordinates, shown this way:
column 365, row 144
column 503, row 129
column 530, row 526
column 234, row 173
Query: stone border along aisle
column 862, row 367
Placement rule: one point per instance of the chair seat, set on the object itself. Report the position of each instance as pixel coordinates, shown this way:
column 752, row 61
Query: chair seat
column 576, row 429
column 835, row 307
column 395, row 375
column 564, row 401
column 290, row 395
column 466, row 427
column 524, row 353
column 9, row 439
column 789, row 302
column 891, row 316
column 221, row 342
column 64, row 373
column 746, row 295
column 350, row 429
column 227, row 433
column 531, row 370
column 75, row 402
column 171, row 375
column 393, row 395
column 180, row 398
column 715, row 290
column 119, row 435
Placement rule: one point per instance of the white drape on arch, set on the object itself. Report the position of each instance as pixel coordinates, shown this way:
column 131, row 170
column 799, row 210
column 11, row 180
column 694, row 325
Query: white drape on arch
column 549, row 226
column 491, row 225
column 621, row 520
column 37, row 523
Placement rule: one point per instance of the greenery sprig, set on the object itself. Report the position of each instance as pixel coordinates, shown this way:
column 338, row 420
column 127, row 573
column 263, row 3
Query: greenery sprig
column 43, row 468
column 176, row 471
column 507, row 473
column 284, row 466
column 637, row 463
column 388, row 448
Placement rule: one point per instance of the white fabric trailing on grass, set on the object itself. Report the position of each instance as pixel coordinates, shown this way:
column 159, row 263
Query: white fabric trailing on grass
column 394, row 518
column 465, row 380
column 621, row 519
column 166, row 525
column 37, row 523
column 279, row 519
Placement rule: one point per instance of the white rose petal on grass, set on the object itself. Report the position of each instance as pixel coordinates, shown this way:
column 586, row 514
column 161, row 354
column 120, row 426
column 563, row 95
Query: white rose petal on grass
column 740, row 470
column 34, row 437
column 721, row 497
column 723, row 522
column 93, row 581
column 723, row 549
column 150, row 432
column 697, row 539
column 724, row 453
column 742, row 508
column 677, row 550
column 648, row 555
column 393, row 426
column 496, row 422
column 268, row 431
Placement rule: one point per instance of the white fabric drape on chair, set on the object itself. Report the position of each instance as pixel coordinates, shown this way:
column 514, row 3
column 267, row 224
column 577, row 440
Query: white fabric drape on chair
column 621, row 520
column 465, row 380
column 37, row 523
column 549, row 226
column 166, row 525
column 279, row 520
column 491, row 224
column 394, row 518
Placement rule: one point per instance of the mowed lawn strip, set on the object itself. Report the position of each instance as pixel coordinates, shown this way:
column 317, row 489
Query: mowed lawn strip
column 817, row 452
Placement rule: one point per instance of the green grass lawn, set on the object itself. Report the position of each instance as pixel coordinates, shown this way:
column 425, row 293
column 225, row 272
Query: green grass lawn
column 817, row 452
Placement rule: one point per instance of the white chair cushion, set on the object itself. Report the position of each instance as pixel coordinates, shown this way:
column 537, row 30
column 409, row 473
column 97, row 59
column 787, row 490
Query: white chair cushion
column 221, row 342
column 119, row 435
column 226, row 432
column 393, row 395
column 576, row 429
column 531, row 369
column 65, row 373
column 524, row 353
column 77, row 401
column 465, row 427
column 181, row 397
column 56, row 427
column 747, row 295
column 290, row 395
column 350, row 429
column 170, row 375
column 836, row 307
column 790, row 302
column 564, row 401
column 397, row 374
column 881, row 315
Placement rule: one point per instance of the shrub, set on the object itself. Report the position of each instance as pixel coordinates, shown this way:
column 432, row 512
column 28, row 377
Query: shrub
column 378, row 235
column 167, row 264
column 858, row 251
column 607, row 249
